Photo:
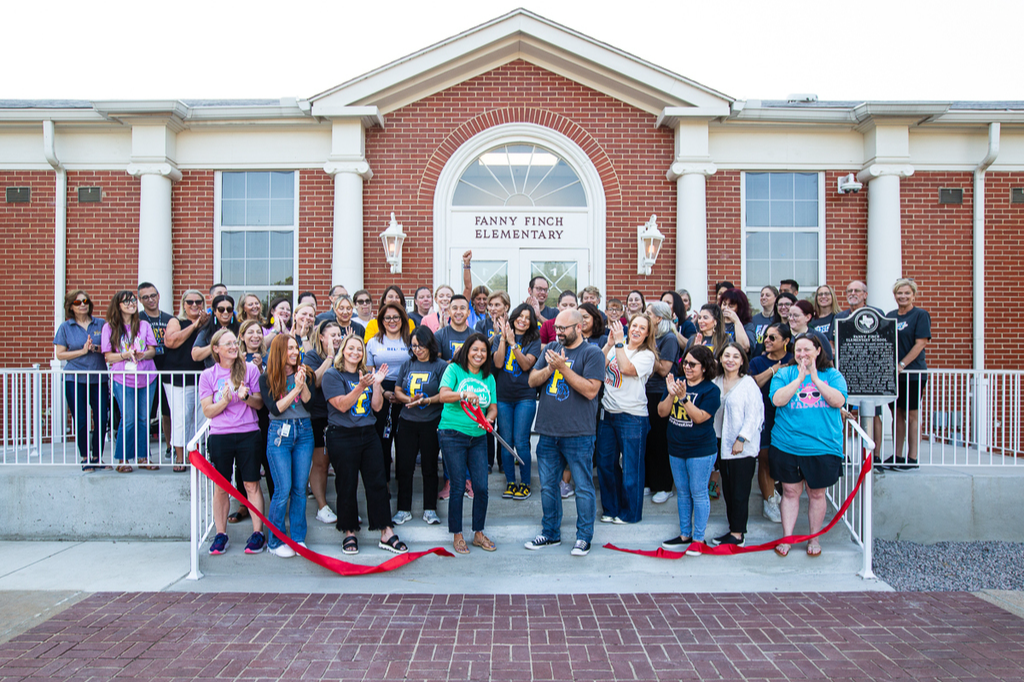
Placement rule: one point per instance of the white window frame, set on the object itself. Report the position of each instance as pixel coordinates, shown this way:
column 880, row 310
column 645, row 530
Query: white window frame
column 819, row 230
column 217, row 229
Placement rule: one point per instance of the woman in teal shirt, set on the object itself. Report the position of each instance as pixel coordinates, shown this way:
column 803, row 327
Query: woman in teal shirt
column 463, row 442
column 807, row 439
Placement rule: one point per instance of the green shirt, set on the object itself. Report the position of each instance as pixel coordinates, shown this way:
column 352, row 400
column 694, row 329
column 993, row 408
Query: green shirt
column 459, row 380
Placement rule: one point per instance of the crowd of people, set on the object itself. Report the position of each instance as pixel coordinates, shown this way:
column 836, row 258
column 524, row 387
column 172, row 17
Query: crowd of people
column 660, row 400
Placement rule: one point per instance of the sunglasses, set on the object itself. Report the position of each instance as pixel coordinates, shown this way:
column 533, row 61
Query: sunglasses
column 362, row 302
column 82, row 302
column 193, row 302
column 691, row 364
column 222, row 309
column 772, row 337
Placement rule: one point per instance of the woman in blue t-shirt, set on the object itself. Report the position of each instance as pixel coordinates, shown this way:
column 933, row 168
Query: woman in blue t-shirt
column 807, row 439
column 690, row 407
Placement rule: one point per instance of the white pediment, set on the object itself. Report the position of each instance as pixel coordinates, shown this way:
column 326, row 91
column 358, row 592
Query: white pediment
column 527, row 36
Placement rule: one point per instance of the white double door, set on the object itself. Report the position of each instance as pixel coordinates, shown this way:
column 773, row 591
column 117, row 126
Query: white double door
column 511, row 269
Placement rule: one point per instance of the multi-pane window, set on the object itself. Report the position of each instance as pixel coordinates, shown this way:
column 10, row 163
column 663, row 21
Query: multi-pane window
column 519, row 175
column 783, row 230
column 257, row 221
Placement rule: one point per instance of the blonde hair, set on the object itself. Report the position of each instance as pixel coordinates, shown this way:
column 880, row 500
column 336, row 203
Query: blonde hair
column 905, row 282
column 819, row 312
column 262, row 350
column 500, row 294
column 181, row 306
column 339, row 359
column 295, row 317
column 650, row 342
column 237, row 366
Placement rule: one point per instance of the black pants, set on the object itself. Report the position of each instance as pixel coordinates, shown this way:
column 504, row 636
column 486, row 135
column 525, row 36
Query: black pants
column 356, row 452
column 736, row 477
column 264, row 421
column 658, row 473
column 413, row 437
column 392, row 410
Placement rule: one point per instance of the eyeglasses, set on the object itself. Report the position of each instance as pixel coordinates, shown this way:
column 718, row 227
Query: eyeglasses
column 228, row 345
column 821, row 294
column 392, row 319
column 416, row 347
column 81, row 302
column 193, row 302
column 362, row 302
column 853, row 291
column 559, row 328
column 149, row 297
column 691, row 364
column 131, row 301
column 227, row 309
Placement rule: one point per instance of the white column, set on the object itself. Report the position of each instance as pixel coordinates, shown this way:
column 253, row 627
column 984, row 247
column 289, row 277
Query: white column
column 347, row 243
column 156, row 261
column 692, row 228
column 885, row 239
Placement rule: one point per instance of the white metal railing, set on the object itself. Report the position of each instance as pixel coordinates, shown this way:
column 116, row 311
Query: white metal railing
column 857, row 517
column 44, row 409
column 201, row 490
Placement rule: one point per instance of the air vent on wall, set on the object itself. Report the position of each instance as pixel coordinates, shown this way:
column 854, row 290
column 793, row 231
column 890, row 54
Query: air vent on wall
column 951, row 195
column 88, row 195
column 1017, row 195
column 19, row 195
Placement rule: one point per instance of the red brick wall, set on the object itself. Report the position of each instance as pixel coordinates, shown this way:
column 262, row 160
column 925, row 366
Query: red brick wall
column 846, row 236
column 1004, row 286
column 630, row 154
column 723, row 202
column 937, row 244
column 316, row 232
column 27, row 267
column 191, row 235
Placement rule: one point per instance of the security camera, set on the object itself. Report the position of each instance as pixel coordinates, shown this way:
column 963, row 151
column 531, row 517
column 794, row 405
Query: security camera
column 848, row 183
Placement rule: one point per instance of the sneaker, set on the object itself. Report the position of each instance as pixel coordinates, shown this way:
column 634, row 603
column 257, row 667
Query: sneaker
column 401, row 517
column 907, row 465
column 522, row 492
column 729, row 539
column 718, row 540
column 430, row 517
column 566, row 489
column 256, row 544
column 220, row 544
column 580, row 549
column 693, row 552
column 326, row 515
column 446, row 492
column 469, row 490
column 770, row 508
column 607, row 519
column 661, row 496
column 677, row 544
column 282, row 550
column 619, row 520
column 510, row 490
column 647, row 491
column 542, row 541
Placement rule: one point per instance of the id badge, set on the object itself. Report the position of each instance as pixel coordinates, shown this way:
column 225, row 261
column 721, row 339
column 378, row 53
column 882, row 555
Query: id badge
column 131, row 366
column 286, row 430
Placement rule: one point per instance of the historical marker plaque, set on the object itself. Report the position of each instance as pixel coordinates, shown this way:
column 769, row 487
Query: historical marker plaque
column 866, row 354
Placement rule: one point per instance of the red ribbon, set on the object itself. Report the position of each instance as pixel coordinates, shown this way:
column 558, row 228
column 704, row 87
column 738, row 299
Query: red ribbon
column 327, row 562
column 729, row 549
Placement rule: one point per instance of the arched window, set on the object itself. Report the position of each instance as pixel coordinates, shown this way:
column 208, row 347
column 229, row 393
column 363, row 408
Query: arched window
column 519, row 175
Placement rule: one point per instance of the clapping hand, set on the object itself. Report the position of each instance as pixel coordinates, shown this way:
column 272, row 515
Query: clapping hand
column 243, row 392
column 557, row 360
column 300, row 377
column 616, row 333
column 89, row 346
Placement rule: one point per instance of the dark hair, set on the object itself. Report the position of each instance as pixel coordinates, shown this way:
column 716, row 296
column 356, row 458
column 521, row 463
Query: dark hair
column 789, row 296
column 274, row 304
column 566, row 293
column 704, row 356
column 69, row 303
column 425, row 337
column 678, row 306
column 598, row 329
column 822, row 362
column 462, row 355
column 420, row 289
column 744, row 361
column 392, row 288
column 532, row 332
column 737, row 297
column 535, row 278
column 116, row 320
column 792, row 283
column 216, row 285
column 806, row 307
column 459, row 297
column 305, row 294
column 720, row 337
column 403, row 323
column 145, row 285
column 724, row 283
column 643, row 301
column 784, row 332
column 212, row 325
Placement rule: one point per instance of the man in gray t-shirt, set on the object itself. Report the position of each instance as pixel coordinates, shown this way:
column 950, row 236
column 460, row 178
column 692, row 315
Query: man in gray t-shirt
column 569, row 374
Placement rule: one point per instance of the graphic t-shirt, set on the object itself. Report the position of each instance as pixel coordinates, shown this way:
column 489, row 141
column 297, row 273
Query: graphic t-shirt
column 916, row 324
column 158, row 324
column 239, row 417
column 394, row 352
column 459, row 380
column 421, row 378
column 824, row 325
column 337, row 383
column 755, row 329
column 318, row 406
column 512, row 381
column 145, row 338
column 296, row 410
column 686, row 438
column 624, row 394
column 807, row 425
column 561, row 410
column 450, row 340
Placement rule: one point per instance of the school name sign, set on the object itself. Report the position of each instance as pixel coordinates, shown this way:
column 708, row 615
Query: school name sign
column 522, row 228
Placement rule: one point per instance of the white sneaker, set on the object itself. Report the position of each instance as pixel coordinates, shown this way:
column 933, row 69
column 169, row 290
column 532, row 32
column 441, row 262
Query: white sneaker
column 401, row 517
column 770, row 508
column 566, row 489
column 661, row 496
column 430, row 517
column 607, row 519
column 647, row 490
column 282, row 551
column 326, row 515
column 580, row 549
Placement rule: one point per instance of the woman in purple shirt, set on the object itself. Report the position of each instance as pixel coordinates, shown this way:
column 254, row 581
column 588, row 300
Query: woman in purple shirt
column 129, row 346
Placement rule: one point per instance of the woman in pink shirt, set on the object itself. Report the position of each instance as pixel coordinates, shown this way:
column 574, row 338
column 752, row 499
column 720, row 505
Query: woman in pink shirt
column 129, row 346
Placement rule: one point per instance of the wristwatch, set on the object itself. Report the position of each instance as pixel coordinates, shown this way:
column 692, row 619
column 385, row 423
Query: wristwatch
column 741, row 439
column 620, row 345
column 903, row 366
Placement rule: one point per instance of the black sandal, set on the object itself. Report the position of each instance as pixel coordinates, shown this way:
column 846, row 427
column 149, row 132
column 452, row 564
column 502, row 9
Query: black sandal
column 393, row 545
column 350, row 546
column 238, row 515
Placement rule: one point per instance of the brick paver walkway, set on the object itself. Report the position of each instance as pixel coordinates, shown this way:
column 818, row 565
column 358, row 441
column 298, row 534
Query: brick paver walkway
column 837, row 636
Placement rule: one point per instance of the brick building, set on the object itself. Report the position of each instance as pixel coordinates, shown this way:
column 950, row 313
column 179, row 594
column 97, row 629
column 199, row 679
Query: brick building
column 542, row 150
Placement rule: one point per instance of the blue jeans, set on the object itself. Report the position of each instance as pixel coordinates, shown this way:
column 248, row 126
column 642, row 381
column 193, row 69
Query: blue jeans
column 81, row 396
column 514, row 423
column 554, row 453
column 622, row 486
column 691, row 476
column 462, row 452
column 290, row 458
column 133, row 437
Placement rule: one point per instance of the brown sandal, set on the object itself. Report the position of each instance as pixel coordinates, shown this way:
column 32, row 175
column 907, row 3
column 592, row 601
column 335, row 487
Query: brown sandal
column 144, row 465
column 460, row 546
column 481, row 541
column 124, row 469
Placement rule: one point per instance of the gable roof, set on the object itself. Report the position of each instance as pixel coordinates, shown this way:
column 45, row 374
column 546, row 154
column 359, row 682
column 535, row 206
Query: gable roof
column 520, row 34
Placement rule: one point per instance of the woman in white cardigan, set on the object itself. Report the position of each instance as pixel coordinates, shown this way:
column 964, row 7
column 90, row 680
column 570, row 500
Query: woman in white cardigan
column 738, row 424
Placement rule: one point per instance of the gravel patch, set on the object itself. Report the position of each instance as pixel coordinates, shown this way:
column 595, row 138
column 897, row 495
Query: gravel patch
column 950, row 566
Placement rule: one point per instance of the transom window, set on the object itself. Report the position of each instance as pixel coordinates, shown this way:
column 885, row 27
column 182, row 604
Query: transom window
column 519, row 175
column 783, row 230
column 256, row 224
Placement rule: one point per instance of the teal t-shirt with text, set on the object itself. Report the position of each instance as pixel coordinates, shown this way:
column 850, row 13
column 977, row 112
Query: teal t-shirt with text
column 459, row 380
